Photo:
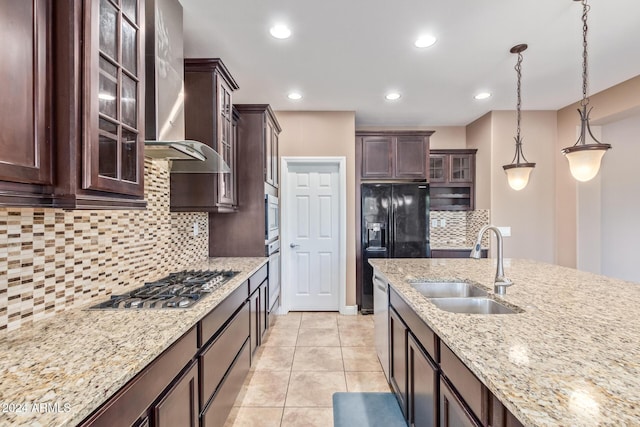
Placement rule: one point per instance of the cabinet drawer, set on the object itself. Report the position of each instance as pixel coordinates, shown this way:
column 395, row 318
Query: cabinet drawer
column 213, row 321
column 218, row 356
column 216, row 413
column 420, row 330
column 135, row 397
column 256, row 280
column 464, row 381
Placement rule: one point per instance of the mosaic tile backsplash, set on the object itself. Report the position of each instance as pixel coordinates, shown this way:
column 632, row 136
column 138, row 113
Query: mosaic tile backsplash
column 460, row 230
column 52, row 259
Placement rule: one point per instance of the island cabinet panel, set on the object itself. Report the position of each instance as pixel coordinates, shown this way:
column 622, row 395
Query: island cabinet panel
column 467, row 385
column 453, row 412
column 179, row 406
column 25, row 104
column 432, row 385
column 422, row 387
column 398, row 335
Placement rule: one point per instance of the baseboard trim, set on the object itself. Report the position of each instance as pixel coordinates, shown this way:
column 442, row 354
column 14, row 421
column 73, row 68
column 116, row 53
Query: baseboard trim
column 349, row 310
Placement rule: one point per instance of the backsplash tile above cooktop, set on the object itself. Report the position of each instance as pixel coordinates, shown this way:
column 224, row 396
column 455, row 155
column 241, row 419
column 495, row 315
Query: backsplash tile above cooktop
column 52, row 259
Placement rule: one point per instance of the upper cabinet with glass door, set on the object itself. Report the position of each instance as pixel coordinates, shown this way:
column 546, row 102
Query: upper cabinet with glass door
column 113, row 122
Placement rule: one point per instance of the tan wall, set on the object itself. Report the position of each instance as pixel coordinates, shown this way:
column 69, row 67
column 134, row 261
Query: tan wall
column 530, row 211
column 326, row 133
column 450, row 137
column 610, row 105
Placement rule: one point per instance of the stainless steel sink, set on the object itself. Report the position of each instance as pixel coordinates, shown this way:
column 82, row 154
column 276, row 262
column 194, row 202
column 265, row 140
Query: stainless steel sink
column 448, row 290
column 471, row 306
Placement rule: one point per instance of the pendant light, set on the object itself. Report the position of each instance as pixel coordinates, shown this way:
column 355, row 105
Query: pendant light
column 584, row 159
column 519, row 170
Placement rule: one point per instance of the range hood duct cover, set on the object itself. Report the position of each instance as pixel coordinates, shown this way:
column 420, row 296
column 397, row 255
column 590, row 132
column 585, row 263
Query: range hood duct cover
column 187, row 156
column 164, row 100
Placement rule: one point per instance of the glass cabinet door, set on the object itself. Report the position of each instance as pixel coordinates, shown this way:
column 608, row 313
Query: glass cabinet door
column 225, row 144
column 461, row 168
column 113, row 123
column 437, row 168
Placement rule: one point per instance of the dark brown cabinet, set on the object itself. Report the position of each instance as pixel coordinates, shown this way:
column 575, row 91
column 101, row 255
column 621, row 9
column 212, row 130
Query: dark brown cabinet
column 271, row 158
column 398, row 334
column 455, row 253
column 99, row 107
column 431, row 383
column 209, row 118
column 452, row 179
column 197, row 379
column 393, row 154
column 113, row 86
column 25, row 104
column 179, row 406
column 422, row 386
column 243, row 234
column 453, row 412
column 259, row 303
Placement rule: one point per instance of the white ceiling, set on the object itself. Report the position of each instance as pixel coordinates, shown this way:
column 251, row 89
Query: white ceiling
column 347, row 54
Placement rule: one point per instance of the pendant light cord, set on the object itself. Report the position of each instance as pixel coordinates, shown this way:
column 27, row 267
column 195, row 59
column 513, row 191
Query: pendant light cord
column 518, row 69
column 585, row 75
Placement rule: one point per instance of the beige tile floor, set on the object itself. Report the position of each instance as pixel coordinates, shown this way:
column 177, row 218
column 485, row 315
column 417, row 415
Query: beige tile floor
column 305, row 358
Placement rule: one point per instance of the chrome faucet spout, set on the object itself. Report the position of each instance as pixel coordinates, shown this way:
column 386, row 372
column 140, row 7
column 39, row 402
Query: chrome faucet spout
column 501, row 281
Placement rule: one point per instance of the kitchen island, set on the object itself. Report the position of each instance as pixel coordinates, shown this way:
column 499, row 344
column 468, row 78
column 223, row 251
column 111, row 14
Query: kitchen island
column 570, row 356
column 58, row 371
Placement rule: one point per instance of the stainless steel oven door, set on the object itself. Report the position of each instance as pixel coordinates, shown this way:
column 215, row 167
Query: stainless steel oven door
column 272, row 219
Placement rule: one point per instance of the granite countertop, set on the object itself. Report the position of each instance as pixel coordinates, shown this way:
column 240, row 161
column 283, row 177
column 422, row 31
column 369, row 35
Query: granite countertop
column 77, row 359
column 572, row 357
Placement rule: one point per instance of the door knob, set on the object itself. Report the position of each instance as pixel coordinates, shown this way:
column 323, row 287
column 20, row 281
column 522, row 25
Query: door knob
column 293, row 245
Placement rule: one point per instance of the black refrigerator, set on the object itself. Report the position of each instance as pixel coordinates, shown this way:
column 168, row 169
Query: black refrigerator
column 395, row 224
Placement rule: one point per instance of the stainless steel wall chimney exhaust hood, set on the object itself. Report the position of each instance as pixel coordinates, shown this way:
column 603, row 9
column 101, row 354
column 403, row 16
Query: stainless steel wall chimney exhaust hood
column 164, row 98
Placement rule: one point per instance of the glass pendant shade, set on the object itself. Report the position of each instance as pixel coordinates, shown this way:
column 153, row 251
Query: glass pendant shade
column 584, row 160
column 518, row 175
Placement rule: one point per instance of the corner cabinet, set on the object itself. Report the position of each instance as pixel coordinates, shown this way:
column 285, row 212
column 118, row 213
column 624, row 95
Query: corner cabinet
column 209, row 118
column 393, row 154
column 452, row 179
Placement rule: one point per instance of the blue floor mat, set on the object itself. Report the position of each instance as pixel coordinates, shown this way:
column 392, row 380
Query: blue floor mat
column 367, row 410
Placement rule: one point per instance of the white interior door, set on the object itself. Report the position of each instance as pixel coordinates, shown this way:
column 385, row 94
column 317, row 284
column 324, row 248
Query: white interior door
column 313, row 246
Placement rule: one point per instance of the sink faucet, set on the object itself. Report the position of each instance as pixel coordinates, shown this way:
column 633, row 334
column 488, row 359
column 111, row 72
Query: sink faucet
column 501, row 283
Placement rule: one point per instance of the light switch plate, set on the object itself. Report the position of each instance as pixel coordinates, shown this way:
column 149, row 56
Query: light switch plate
column 195, row 229
column 506, row 231
column 434, row 223
column 443, row 222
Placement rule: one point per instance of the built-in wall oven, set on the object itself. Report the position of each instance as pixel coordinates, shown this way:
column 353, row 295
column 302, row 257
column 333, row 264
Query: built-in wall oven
column 272, row 220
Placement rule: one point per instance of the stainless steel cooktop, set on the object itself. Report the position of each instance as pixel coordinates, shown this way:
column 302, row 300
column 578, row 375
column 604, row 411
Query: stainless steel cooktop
column 177, row 290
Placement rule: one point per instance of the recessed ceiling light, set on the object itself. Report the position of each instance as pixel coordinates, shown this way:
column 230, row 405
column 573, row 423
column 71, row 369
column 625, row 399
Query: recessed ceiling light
column 482, row 95
column 280, row 31
column 392, row 96
column 425, row 41
column 295, row 96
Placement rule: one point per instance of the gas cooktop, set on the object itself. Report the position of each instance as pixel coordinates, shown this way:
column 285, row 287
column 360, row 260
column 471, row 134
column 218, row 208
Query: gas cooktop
column 177, row 290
